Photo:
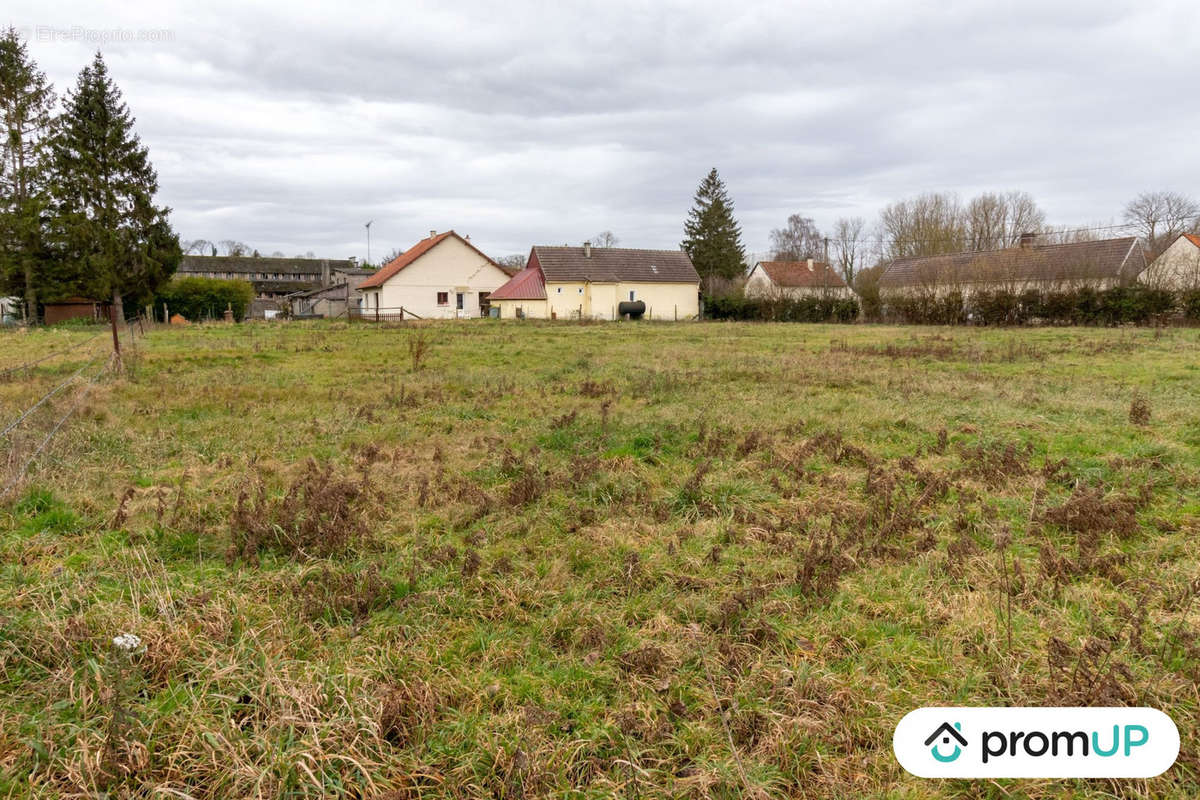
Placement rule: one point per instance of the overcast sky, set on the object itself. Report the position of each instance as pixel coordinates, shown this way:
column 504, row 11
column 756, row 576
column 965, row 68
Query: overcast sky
column 525, row 123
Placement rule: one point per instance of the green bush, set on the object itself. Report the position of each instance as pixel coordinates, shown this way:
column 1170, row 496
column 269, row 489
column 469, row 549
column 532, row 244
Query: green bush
column 1119, row 305
column 737, row 306
column 1190, row 305
column 205, row 298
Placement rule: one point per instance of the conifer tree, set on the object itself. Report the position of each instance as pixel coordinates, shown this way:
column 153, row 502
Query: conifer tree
column 26, row 116
column 713, row 238
column 109, row 237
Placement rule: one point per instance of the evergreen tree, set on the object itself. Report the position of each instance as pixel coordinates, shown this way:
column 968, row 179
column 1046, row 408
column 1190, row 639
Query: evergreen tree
column 110, row 239
column 27, row 115
column 713, row 238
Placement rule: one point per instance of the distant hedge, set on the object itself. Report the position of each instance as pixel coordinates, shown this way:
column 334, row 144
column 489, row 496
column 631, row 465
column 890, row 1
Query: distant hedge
column 201, row 298
column 780, row 309
column 1137, row 305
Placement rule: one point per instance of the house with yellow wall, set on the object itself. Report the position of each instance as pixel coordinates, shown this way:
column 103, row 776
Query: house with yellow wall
column 601, row 283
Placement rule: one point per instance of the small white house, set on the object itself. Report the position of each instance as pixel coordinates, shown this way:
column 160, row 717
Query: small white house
column 795, row 279
column 442, row 277
column 1178, row 267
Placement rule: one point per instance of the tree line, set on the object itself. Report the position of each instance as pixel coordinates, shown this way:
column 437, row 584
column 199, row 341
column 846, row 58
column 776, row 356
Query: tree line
column 933, row 223
column 77, row 190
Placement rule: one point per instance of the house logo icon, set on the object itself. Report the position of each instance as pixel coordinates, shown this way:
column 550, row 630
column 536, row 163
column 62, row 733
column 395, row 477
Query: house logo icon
column 946, row 732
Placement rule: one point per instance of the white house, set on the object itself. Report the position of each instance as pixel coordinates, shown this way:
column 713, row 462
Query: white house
column 1178, row 267
column 442, row 277
column 795, row 279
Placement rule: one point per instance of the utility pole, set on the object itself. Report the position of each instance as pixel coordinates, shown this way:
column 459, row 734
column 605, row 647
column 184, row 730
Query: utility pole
column 368, row 227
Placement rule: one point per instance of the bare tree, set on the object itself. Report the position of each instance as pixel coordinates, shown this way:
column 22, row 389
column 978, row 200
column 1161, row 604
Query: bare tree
column 395, row 253
column 605, row 239
column 926, row 225
column 197, row 247
column 233, row 248
column 515, row 261
column 1065, row 234
column 799, row 240
column 1159, row 217
column 849, row 250
column 994, row 220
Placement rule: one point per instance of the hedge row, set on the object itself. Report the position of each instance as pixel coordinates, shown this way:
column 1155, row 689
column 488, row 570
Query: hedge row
column 1084, row 306
column 205, row 298
column 737, row 306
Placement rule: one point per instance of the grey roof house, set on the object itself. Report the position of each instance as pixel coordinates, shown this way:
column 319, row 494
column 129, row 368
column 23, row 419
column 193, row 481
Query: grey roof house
column 1099, row 264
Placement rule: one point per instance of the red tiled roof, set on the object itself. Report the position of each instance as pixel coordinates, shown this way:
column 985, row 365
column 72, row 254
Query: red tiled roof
column 796, row 274
column 528, row 284
column 412, row 254
column 1193, row 238
column 1114, row 259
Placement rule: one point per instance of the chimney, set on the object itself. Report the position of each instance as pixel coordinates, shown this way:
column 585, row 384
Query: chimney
column 467, row 237
column 810, row 265
column 432, row 234
column 1027, row 240
column 587, row 249
column 324, row 272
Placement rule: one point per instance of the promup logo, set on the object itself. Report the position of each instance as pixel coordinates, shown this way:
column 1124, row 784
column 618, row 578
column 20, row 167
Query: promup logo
column 946, row 732
column 1036, row 742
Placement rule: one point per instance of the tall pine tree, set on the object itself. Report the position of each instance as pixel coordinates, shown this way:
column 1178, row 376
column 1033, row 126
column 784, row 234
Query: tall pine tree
column 110, row 239
column 27, row 116
column 713, row 238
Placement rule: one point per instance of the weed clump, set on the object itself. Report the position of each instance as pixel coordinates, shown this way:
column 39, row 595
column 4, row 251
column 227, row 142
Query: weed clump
column 418, row 349
column 995, row 463
column 1139, row 409
column 321, row 514
column 409, row 709
column 1089, row 511
column 337, row 594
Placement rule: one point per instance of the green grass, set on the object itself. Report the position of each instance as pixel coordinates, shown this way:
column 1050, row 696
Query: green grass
column 646, row 560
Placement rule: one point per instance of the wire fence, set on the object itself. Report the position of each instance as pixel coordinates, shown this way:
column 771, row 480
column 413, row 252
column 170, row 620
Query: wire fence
column 20, row 466
column 29, row 364
column 45, row 398
column 20, row 472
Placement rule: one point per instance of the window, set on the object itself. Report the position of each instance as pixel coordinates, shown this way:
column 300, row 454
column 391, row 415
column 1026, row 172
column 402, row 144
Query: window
column 443, row 298
column 459, row 301
column 581, row 290
column 631, row 293
column 559, row 290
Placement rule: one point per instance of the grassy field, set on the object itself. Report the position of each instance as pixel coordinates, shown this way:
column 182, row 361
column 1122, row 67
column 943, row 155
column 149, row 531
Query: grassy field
column 495, row 559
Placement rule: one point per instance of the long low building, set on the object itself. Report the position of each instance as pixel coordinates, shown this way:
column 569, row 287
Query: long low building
column 601, row 283
column 275, row 280
column 1099, row 264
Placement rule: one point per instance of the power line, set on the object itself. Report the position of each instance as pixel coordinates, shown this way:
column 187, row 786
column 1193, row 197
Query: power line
column 1051, row 232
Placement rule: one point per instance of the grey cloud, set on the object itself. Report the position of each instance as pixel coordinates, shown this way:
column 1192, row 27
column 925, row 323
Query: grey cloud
column 530, row 122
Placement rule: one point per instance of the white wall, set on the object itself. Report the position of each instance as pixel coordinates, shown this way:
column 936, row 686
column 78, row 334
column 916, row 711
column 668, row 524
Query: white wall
column 760, row 285
column 1177, row 268
column 451, row 266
